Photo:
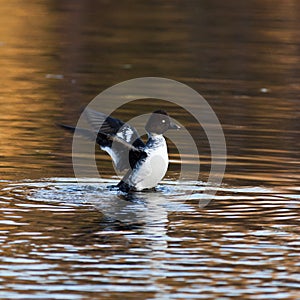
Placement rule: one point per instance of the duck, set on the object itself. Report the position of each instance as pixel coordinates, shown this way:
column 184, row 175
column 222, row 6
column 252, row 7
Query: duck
column 145, row 164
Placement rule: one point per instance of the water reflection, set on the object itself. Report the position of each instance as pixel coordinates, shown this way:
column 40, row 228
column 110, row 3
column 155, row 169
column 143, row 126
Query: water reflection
column 159, row 243
column 87, row 54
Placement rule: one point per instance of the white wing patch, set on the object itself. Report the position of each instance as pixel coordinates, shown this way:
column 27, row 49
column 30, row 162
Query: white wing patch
column 126, row 133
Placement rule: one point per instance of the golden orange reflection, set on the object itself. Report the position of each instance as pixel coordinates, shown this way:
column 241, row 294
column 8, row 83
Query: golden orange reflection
column 243, row 59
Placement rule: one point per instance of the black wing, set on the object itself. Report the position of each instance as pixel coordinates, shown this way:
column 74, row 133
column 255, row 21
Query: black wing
column 100, row 122
column 120, row 140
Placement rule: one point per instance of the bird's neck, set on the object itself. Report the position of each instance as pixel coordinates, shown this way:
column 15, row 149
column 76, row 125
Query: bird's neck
column 155, row 140
column 155, row 136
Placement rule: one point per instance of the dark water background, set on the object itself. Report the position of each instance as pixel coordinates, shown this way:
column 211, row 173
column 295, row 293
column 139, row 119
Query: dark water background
column 56, row 240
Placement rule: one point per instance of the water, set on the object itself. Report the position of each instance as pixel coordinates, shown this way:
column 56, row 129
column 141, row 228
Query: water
column 63, row 240
column 68, row 241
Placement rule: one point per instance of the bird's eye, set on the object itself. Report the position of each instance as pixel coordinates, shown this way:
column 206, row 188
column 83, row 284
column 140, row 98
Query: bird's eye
column 163, row 121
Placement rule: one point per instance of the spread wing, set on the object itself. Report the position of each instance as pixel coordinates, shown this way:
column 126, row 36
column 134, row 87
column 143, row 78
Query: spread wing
column 120, row 140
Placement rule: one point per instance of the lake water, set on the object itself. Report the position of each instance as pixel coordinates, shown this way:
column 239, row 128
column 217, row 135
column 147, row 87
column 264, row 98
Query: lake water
column 63, row 239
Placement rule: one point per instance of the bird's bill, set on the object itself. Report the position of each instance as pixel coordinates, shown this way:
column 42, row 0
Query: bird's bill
column 174, row 126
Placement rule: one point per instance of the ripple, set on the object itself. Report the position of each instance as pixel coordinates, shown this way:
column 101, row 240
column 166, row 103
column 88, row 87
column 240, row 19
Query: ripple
column 86, row 238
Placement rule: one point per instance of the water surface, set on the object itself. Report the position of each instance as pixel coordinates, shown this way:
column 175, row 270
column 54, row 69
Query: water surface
column 64, row 240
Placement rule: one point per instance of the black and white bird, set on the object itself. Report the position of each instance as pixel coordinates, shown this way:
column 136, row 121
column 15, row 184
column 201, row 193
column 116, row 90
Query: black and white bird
column 146, row 163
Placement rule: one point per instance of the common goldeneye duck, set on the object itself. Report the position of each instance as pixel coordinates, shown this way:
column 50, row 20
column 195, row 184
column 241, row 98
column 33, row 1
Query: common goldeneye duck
column 146, row 164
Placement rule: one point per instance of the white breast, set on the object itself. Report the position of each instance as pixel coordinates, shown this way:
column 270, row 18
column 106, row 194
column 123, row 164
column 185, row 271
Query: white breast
column 153, row 168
